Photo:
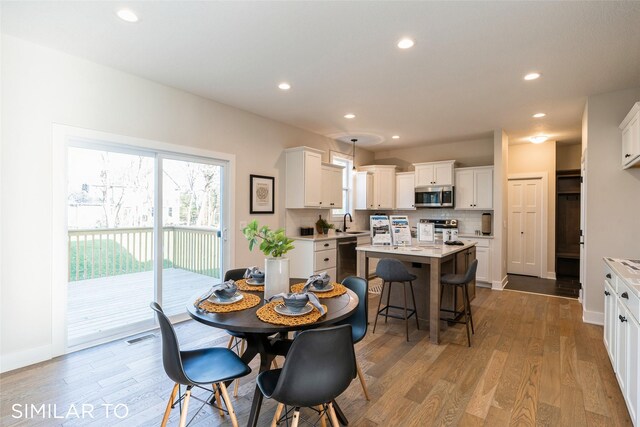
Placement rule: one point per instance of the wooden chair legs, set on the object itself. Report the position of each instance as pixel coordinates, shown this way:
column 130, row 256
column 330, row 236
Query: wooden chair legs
column 362, row 382
column 227, row 402
column 216, row 394
column 296, row 417
column 167, row 411
column 323, row 422
column 332, row 416
column 276, row 416
column 185, row 407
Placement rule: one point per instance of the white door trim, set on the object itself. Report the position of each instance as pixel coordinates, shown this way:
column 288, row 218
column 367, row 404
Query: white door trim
column 544, row 176
column 62, row 135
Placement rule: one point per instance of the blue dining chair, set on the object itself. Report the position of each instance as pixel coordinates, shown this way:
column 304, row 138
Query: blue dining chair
column 359, row 320
column 196, row 368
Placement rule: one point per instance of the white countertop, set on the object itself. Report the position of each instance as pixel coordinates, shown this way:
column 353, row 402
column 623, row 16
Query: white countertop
column 331, row 236
column 474, row 236
column 628, row 271
column 427, row 251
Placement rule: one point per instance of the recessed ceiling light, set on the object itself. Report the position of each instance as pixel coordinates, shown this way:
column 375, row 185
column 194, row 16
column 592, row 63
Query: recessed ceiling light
column 539, row 115
column 405, row 43
column 284, row 86
column 349, row 116
column 396, row 137
column 127, row 15
column 538, row 139
column 532, row 76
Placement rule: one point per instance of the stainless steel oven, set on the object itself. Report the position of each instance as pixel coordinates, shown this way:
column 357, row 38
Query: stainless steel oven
column 434, row 197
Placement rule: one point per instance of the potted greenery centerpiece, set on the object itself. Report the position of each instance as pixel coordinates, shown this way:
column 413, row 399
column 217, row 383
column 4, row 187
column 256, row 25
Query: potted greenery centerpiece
column 323, row 226
column 274, row 244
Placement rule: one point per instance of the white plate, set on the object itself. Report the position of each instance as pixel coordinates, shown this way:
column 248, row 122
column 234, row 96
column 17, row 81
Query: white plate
column 282, row 309
column 254, row 282
column 327, row 288
column 214, row 299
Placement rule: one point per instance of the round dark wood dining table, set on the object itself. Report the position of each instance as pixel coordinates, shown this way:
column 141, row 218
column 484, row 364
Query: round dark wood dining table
column 258, row 334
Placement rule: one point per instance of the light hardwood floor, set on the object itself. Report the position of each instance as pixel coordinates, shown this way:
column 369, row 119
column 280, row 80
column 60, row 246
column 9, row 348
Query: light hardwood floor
column 532, row 362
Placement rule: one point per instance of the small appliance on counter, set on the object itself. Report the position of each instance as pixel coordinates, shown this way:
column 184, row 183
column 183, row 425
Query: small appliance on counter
column 486, row 224
column 444, row 229
column 306, row 231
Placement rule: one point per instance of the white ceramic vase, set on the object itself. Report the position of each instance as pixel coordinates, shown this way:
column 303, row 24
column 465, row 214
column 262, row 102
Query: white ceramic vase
column 276, row 276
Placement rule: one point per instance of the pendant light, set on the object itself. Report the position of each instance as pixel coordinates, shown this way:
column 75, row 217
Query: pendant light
column 353, row 153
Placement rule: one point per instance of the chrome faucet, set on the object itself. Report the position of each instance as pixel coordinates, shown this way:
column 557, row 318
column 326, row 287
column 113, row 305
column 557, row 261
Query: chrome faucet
column 344, row 224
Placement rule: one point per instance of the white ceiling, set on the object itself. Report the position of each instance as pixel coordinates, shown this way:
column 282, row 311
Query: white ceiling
column 462, row 79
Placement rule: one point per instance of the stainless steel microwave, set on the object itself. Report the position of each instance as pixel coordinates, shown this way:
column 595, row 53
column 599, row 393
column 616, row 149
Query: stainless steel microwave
column 434, row 197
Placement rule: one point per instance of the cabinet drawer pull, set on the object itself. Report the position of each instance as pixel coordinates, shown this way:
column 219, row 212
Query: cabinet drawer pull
column 625, row 295
column 607, row 293
column 326, row 245
column 627, row 155
column 622, row 318
column 326, row 259
column 608, row 276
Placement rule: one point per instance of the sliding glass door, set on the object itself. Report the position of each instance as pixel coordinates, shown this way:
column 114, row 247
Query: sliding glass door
column 114, row 194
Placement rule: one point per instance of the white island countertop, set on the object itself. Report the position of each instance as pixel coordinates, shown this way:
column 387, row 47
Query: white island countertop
column 427, row 251
column 628, row 270
column 330, row 236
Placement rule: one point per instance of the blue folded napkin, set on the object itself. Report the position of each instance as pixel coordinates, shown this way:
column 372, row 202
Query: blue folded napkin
column 320, row 278
column 252, row 270
column 305, row 296
column 221, row 290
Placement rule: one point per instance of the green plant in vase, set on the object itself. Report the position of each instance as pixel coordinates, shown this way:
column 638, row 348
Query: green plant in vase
column 273, row 243
column 323, row 226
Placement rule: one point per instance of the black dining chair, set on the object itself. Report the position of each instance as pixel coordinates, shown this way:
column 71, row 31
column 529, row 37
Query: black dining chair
column 319, row 367
column 359, row 320
column 196, row 368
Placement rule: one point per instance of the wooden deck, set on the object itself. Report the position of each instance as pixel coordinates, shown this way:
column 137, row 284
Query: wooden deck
column 111, row 303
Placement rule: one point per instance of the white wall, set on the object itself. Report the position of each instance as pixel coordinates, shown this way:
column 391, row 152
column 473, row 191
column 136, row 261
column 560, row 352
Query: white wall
column 41, row 87
column 568, row 156
column 613, row 194
column 500, row 208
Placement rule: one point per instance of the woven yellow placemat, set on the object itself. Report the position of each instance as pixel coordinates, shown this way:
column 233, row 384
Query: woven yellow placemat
column 244, row 286
column 337, row 290
column 248, row 301
column 266, row 313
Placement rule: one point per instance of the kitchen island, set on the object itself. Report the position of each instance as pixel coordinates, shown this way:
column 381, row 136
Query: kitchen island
column 437, row 259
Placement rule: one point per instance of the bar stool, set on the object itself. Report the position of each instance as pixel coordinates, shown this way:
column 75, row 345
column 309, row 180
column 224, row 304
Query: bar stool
column 393, row 271
column 460, row 280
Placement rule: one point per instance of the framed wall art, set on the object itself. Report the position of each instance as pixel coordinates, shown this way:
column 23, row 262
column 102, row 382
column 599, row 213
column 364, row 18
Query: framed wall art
column 262, row 198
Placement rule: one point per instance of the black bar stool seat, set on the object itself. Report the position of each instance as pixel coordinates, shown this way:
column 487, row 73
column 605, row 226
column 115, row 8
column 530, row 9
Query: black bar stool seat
column 460, row 280
column 393, row 271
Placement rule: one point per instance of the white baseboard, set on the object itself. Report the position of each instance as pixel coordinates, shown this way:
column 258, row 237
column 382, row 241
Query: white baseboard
column 20, row 359
column 498, row 285
column 551, row 275
column 593, row 317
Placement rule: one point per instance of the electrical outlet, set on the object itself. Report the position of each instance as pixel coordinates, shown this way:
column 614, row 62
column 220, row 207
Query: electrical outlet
column 243, row 224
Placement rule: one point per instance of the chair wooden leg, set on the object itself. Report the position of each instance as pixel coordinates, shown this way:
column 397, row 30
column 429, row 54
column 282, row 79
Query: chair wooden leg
column 227, row 402
column 375, row 322
column 323, row 422
column 296, row 417
column 185, row 407
column 216, row 394
column 332, row 416
column 167, row 411
column 274, row 363
column 237, row 384
column 230, row 344
column 276, row 416
column 362, row 382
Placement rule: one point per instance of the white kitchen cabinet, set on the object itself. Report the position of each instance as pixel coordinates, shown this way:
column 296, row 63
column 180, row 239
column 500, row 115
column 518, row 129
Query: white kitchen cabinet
column 364, row 190
column 474, row 188
column 630, row 128
column 483, row 255
column 405, row 191
column 310, row 257
column 303, row 178
column 434, row 173
column 384, row 186
column 332, row 186
column 622, row 334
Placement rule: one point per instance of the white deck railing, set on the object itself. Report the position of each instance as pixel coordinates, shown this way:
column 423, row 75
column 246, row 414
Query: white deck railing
column 115, row 251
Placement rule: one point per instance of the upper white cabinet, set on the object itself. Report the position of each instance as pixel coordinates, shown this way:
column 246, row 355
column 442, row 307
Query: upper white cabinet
column 332, row 186
column 434, row 173
column 630, row 128
column 304, row 178
column 474, row 188
column 405, row 193
column 382, row 185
